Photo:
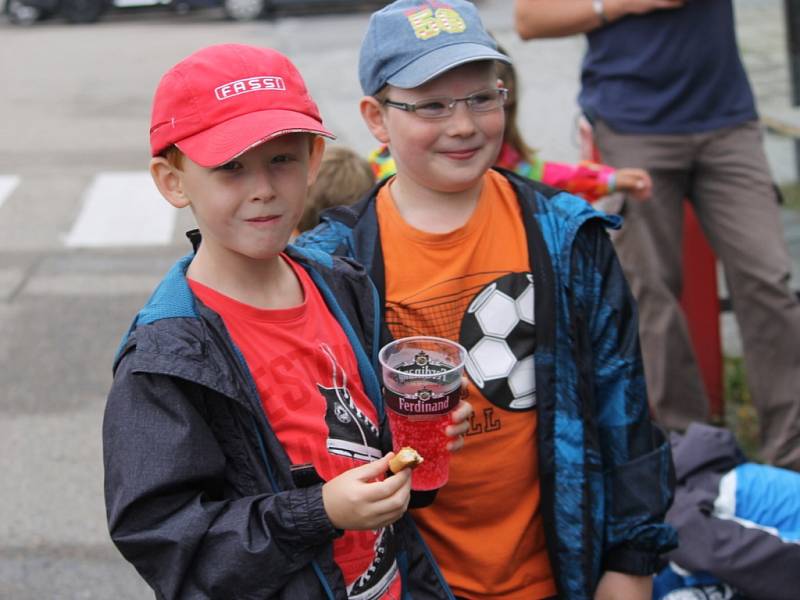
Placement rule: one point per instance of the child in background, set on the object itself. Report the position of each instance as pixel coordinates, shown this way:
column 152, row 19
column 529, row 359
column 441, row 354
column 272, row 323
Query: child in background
column 244, row 437
column 562, row 486
column 587, row 179
column 344, row 177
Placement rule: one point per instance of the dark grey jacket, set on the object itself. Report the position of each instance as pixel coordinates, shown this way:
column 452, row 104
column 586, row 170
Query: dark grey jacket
column 199, row 492
column 743, row 530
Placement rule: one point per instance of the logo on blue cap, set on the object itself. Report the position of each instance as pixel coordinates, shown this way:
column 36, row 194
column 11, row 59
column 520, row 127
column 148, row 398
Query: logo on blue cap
column 428, row 23
column 409, row 42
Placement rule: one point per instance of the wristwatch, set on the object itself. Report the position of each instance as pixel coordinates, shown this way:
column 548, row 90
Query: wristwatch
column 600, row 11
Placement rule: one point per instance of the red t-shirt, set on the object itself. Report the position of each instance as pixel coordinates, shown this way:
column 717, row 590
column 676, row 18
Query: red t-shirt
column 307, row 376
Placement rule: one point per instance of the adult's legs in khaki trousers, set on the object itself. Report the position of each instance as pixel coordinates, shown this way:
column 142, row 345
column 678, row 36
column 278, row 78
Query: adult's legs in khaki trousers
column 725, row 175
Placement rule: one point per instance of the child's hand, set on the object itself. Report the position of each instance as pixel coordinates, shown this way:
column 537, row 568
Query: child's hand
column 635, row 182
column 459, row 424
column 621, row 586
column 356, row 500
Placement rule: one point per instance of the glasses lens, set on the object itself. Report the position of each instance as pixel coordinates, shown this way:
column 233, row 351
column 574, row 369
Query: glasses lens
column 486, row 100
column 433, row 108
column 482, row 101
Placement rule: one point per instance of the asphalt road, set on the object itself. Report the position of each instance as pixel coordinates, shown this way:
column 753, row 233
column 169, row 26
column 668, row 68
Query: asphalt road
column 78, row 255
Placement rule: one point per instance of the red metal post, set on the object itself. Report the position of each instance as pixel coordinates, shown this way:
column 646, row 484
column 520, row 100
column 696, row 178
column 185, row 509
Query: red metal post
column 700, row 303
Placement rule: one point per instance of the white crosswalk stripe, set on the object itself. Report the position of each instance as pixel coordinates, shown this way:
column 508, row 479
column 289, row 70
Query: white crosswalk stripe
column 7, row 185
column 122, row 209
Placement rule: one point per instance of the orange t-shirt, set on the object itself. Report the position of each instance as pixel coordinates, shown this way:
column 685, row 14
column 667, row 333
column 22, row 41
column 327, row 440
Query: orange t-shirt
column 473, row 285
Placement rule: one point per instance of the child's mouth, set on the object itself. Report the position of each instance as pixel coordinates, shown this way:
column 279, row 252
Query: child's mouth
column 259, row 220
column 461, row 154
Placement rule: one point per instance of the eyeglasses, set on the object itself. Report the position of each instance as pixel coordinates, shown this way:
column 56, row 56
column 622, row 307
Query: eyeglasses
column 439, row 108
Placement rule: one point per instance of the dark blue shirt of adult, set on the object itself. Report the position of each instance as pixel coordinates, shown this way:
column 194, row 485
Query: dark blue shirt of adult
column 668, row 71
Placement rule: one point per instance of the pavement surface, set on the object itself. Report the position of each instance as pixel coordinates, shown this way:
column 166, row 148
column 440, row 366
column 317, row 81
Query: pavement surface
column 82, row 241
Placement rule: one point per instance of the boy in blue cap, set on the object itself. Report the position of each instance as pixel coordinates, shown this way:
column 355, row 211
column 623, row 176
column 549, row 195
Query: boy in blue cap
column 563, row 483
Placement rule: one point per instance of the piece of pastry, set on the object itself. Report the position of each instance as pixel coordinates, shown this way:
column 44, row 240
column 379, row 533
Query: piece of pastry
column 406, row 457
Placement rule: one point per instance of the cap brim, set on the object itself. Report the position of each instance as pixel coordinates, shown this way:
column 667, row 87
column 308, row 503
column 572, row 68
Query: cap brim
column 224, row 142
column 441, row 60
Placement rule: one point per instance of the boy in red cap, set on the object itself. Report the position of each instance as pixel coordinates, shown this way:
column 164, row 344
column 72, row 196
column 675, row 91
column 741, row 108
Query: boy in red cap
column 563, row 483
column 244, row 439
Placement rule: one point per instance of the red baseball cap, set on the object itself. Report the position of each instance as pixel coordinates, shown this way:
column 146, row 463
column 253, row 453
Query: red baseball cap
column 223, row 100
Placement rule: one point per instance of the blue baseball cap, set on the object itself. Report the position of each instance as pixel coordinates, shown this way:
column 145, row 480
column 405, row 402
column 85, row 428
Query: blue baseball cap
column 409, row 42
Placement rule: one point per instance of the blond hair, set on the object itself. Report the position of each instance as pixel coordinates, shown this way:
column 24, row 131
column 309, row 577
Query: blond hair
column 512, row 135
column 343, row 178
column 174, row 156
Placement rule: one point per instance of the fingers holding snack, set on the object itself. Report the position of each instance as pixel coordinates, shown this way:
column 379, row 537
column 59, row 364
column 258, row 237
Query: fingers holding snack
column 406, row 458
column 362, row 498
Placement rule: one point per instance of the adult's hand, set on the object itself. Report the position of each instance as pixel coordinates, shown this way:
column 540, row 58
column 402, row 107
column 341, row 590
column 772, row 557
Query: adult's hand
column 615, row 9
column 558, row 18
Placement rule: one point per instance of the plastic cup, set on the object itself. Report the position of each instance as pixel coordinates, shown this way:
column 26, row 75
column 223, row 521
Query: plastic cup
column 422, row 385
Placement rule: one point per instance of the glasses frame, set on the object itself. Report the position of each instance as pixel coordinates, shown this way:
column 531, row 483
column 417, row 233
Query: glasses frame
column 449, row 103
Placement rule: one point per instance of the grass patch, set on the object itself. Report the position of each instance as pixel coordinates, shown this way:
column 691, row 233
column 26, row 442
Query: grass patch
column 791, row 195
column 740, row 416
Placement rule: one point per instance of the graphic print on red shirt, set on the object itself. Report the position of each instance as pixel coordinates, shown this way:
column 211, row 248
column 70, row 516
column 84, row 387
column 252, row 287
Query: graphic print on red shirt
column 311, row 391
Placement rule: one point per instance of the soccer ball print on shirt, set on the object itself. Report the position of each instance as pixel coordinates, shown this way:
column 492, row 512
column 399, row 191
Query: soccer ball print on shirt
column 492, row 316
column 499, row 332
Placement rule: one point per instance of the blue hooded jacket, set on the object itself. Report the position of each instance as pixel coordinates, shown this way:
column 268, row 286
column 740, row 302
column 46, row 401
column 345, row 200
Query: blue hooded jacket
column 606, row 472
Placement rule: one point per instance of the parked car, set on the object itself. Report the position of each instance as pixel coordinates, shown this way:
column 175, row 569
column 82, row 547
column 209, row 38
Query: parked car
column 246, row 10
column 27, row 12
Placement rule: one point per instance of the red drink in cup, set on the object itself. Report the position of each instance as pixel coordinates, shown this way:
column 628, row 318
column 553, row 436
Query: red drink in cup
column 422, row 385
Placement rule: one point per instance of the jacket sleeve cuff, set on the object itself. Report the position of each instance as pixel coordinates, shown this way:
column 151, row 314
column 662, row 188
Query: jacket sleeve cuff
column 308, row 512
column 633, row 562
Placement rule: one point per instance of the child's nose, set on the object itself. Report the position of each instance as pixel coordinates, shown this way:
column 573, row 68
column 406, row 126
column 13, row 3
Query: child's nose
column 462, row 121
column 262, row 186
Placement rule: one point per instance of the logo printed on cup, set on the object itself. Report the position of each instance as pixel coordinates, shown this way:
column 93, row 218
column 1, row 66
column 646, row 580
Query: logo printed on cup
column 423, row 366
column 422, row 378
column 423, row 401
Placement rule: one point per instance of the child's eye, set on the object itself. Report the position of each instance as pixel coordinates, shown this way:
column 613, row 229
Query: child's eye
column 482, row 98
column 432, row 108
column 233, row 165
column 282, row 158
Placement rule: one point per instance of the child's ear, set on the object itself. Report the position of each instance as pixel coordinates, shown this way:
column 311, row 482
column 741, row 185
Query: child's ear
column 374, row 116
column 168, row 181
column 315, row 160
